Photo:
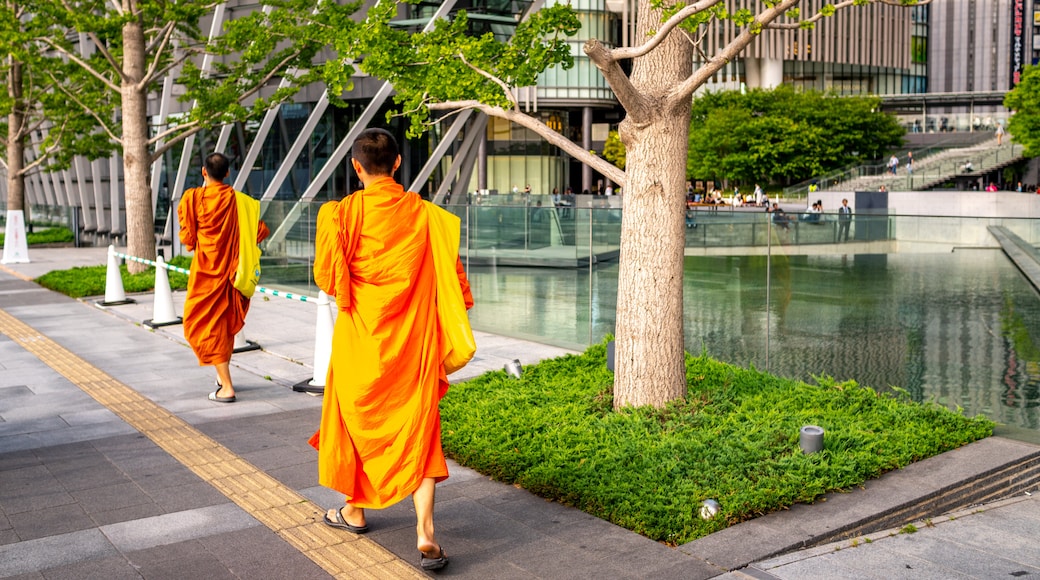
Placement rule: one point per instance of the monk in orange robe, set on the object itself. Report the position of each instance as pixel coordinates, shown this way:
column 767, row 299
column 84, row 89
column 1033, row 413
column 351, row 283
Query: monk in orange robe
column 214, row 311
column 379, row 439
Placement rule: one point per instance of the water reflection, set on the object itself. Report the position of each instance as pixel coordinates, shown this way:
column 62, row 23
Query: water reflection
column 959, row 328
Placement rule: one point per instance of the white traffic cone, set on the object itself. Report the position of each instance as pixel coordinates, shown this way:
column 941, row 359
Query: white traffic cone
column 243, row 345
column 322, row 347
column 163, row 313
column 114, row 293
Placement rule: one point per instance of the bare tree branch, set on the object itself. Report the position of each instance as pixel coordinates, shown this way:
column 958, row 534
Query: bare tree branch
column 101, row 122
column 174, row 64
column 159, row 151
column 844, row 4
column 496, row 80
column 159, row 35
column 156, row 57
column 118, row 7
column 598, row 163
column 633, row 101
column 173, row 130
column 42, row 157
column 666, row 28
column 105, row 53
column 684, row 90
column 82, row 63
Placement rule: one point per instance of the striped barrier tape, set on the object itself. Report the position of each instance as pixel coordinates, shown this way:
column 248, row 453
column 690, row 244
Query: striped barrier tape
column 259, row 289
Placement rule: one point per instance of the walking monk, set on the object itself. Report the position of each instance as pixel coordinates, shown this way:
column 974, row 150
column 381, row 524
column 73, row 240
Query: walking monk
column 380, row 435
column 214, row 311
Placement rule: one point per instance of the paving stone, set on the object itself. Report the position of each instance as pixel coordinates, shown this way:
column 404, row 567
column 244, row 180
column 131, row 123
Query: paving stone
column 41, row 554
column 17, row 460
column 237, row 551
column 32, row 501
column 186, row 496
column 930, row 545
column 8, row 536
column 128, row 513
column 50, row 521
column 109, row 497
column 111, row 568
column 88, row 472
column 145, row 533
column 179, row 561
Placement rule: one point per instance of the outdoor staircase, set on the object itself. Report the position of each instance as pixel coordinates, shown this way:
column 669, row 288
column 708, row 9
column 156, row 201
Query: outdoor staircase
column 932, row 167
column 999, row 483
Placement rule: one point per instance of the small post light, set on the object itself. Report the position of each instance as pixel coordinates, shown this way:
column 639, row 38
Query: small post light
column 514, row 369
column 709, row 509
column 810, row 439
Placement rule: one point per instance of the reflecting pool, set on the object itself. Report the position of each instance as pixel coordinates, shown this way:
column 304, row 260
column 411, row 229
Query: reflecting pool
column 959, row 328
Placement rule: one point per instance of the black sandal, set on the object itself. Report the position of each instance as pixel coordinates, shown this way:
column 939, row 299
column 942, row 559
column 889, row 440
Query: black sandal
column 341, row 524
column 433, row 563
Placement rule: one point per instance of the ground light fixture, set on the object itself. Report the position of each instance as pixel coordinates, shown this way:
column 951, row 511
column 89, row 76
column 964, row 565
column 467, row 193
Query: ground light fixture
column 810, row 439
column 513, row 368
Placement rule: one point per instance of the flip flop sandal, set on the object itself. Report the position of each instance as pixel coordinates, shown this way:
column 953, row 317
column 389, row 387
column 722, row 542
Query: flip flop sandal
column 433, row 563
column 341, row 524
column 214, row 397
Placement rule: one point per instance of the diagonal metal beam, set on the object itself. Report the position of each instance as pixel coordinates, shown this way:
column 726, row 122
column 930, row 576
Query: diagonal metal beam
column 438, row 153
column 465, row 151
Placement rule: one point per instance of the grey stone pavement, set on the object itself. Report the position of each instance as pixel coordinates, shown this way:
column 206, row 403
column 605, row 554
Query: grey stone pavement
column 84, row 495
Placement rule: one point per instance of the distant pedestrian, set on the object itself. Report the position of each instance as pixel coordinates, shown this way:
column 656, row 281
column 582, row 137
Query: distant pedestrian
column 214, row 310
column 1000, row 133
column 910, row 163
column 893, row 164
column 844, row 220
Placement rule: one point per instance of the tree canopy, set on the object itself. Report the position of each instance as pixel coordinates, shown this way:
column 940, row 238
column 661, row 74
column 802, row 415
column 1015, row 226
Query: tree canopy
column 784, row 135
column 1024, row 100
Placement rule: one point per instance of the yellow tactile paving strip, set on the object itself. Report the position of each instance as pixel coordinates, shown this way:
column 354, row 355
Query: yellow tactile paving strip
column 293, row 517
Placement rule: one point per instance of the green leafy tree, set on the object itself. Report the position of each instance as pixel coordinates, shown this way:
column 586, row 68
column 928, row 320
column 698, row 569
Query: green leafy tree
column 130, row 46
column 656, row 96
column 614, row 150
column 784, row 135
column 1024, row 100
column 31, row 103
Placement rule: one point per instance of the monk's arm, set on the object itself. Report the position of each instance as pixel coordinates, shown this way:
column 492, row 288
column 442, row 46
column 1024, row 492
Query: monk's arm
column 327, row 249
column 262, row 232
column 467, row 295
column 186, row 216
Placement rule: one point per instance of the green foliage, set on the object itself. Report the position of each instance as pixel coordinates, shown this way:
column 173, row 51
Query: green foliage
column 614, row 150
column 254, row 50
column 784, row 135
column 60, row 235
column 90, row 280
column 1024, row 100
column 734, row 439
column 448, row 63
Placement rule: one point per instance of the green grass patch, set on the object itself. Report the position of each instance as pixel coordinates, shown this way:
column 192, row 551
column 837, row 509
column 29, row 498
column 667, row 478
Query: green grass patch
column 58, row 235
column 734, row 439
column 90, row 280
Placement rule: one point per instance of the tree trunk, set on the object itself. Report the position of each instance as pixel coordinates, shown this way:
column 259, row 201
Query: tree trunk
column 140, row 220
column 649, row 354
column 15, row 138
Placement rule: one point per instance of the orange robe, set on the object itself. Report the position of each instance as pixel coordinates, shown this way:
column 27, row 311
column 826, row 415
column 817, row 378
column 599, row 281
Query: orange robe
column 380, row 433
column 214, row 311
